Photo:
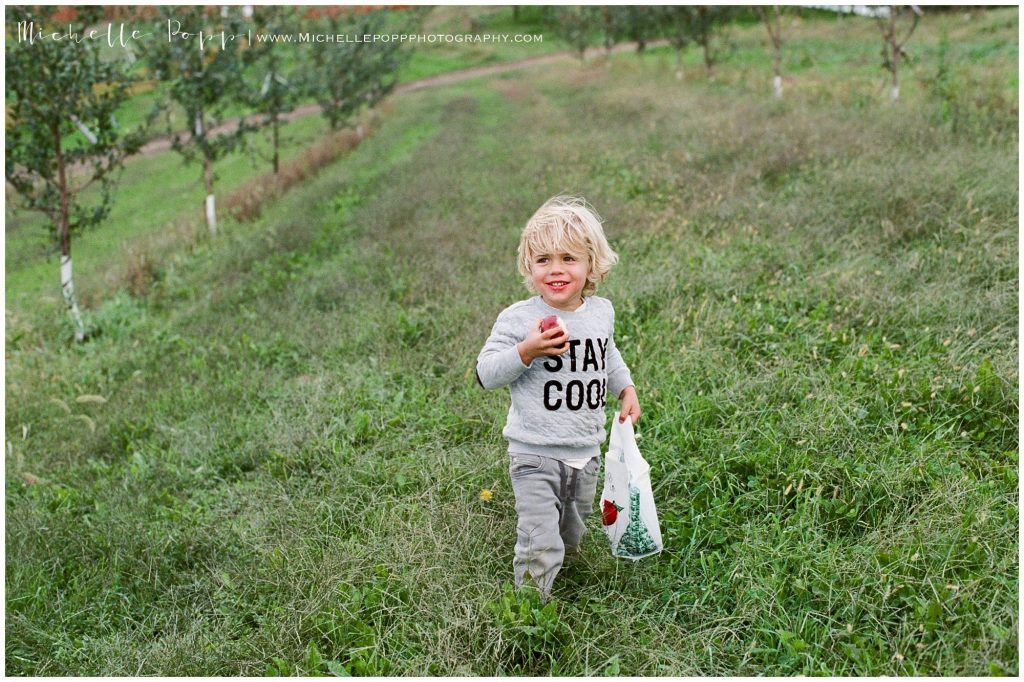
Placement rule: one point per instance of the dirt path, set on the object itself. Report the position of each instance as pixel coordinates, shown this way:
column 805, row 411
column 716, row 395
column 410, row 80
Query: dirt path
column 162, row 144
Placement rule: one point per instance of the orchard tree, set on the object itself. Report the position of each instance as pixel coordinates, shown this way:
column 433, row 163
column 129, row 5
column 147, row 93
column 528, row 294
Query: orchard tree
column 772, row 18
column 609, row 21
column 347, row 76
column 677, row 25
column 706, row 22
column 203, row 58
column 639, row 25
column 279, row 92
column 892, row 45
column 62, row 135
column 578, row 26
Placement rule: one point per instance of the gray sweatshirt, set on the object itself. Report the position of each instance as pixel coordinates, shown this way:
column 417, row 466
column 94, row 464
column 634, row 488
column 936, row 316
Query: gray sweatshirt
column 558, row 401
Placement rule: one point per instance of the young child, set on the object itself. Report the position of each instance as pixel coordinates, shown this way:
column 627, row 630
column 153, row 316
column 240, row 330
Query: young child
column 559, row 379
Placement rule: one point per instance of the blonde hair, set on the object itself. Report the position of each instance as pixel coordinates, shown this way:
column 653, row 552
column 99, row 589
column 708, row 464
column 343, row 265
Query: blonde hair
column 566, row 223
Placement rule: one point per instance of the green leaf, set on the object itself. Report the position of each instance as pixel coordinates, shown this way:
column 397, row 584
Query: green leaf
column 313, row 660
column 337, row 669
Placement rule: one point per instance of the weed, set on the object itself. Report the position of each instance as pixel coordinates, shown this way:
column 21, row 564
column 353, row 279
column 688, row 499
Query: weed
column 530, row 633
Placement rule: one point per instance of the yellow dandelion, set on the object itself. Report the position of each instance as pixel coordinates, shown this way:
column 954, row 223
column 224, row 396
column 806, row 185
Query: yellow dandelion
column 486, row 495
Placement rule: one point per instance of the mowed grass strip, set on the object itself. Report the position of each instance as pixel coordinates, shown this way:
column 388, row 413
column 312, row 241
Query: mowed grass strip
column 819, row 308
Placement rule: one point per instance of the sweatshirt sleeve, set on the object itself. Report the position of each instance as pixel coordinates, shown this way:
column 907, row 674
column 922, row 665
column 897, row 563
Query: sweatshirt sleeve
column 499, row 363
column 618, row 373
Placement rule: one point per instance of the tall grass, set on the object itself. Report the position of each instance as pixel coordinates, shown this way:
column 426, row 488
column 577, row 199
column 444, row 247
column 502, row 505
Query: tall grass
column 818, row 305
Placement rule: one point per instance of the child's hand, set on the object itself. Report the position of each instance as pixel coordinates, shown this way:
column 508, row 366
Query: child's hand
column 630, row 405
column 554, row 341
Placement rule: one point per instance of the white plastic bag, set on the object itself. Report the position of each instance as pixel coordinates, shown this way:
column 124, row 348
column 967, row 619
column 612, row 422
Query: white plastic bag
column 627, row 503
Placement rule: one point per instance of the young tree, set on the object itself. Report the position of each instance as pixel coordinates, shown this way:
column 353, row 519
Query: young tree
column 706, row 21
column 773, row 24
column 892, row 46
column 578, row 26
column 278, row 93
column 640, row 25
column 55, row 88
column 677, row 25
column 609, row 20
column 206, row 75
column 347, row 76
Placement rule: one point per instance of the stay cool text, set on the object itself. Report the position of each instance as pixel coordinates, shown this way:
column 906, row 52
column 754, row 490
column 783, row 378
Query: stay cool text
column 575, row 394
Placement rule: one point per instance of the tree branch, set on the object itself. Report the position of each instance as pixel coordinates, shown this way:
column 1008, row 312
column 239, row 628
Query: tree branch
column 916, row 11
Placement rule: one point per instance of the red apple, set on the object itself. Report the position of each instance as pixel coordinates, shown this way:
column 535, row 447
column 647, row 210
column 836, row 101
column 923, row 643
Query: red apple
column 610, row 512
column 552, row 321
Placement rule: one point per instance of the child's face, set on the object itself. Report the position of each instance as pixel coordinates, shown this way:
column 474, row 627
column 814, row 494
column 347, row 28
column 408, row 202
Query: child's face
column 560, row 278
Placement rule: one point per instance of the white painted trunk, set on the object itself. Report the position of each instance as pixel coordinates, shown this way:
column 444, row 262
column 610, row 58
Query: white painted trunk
column 894, row 93
column 679, row 75
column 777, row 86
column 67, row 287
column 211, row 214
column 85, row 131
column 199, row 125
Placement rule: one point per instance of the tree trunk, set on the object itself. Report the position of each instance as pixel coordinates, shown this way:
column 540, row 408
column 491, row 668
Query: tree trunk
column 777, row 82
column 66, row 281
column 679, row 63
column 211, row 211
column 706, row 44
column 777, row 66
column 277, row 125
column 894, row 62
column 211, row 214
column 276, row 107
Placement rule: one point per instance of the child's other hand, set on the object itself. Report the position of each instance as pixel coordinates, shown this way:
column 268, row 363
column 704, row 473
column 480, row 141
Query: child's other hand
column 630, row 405
column 552, row 342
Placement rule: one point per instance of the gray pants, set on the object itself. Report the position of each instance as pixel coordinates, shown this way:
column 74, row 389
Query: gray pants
column 553, row 501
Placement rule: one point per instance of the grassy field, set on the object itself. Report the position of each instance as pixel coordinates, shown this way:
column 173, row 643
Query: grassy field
column 271, row 462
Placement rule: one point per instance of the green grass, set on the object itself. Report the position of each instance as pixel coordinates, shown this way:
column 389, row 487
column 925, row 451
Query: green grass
column 819, row 307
